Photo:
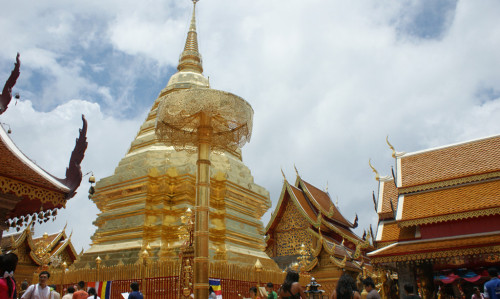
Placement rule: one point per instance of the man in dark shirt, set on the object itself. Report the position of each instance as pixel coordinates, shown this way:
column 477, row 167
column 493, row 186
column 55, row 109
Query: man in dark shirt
column 135, row 294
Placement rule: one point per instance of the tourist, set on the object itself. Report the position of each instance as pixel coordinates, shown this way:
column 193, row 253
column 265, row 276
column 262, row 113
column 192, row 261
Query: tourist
column 93, row 294
column 24, row 287
column 80, row 294
column 135, row 294
column 253, row 293
column 69, row 295
column 211, row 293
column 55, row 294
column 291, row 287
column 40, row 290
column 476, row 293
column 271, row 294
column 346, row 288
column 492, row 287
column 8, row 264
column 409, row 292
column 370, row 288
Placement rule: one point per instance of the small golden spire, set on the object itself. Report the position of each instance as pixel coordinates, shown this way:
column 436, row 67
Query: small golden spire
column 190, row 59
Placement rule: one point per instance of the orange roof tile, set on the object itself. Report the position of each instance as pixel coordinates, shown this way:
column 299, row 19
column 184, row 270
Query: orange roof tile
column 325, row 203
column 304, row 203
column 392, row 232
column 438, row 205
column 390, row 193
column 455, row 161
column 437, row 248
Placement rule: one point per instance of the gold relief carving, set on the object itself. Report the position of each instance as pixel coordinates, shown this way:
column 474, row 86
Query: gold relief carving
column 289, row 242
column 20, row 189
column 457, row 216
column 292, row 219
column 469, row 179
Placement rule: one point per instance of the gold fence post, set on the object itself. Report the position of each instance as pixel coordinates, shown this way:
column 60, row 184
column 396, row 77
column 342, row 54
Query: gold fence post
column 258, row 268
column 98, row 266
column 64, row 266
column 145, row 258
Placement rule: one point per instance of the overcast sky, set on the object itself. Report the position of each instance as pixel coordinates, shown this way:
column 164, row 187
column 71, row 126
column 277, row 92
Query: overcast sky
column 328, row 81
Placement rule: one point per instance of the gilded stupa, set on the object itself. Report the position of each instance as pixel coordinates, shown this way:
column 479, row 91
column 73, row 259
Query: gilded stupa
column 142, row 203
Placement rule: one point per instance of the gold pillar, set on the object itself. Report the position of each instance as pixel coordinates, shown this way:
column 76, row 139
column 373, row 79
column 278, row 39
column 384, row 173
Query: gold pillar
column 201, row 210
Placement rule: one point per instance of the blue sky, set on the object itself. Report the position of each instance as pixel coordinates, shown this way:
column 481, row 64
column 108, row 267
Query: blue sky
column 328, row 81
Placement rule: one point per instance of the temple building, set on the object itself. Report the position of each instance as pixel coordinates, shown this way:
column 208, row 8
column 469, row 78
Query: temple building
column 440, row 210
column 154, row 185
column 308, row 231
column 27, row 192
column 54, row 250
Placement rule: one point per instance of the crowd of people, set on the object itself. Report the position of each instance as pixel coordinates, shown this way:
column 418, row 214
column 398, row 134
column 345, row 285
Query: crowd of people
column 42, row 290
column 290, row 289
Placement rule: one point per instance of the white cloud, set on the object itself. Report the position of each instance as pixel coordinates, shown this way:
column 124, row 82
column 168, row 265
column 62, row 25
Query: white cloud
column 327, row 80
column 48, row 139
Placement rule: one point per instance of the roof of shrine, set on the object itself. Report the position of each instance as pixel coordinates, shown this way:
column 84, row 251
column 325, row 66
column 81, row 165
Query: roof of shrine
column 465, row 245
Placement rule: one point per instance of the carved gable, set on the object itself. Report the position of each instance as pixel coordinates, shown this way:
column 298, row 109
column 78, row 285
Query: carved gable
column 292, row 231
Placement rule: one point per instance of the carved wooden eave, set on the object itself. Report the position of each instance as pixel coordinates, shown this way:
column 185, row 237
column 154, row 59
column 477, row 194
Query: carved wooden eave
column 34, row 189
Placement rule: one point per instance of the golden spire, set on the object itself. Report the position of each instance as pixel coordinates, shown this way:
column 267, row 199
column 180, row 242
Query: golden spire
column 190, row 59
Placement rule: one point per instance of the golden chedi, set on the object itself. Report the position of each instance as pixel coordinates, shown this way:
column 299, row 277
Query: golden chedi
column 155, row 183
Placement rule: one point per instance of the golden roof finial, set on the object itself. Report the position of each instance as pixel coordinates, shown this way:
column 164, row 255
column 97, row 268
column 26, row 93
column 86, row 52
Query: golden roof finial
column 284, row 177
column 296, row 171
column 391, row 147
column 377, row 176
column 190, row 59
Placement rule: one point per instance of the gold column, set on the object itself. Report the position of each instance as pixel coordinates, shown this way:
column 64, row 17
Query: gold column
column 201, row 209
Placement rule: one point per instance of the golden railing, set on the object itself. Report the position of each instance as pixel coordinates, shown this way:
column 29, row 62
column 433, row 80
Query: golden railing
column 160, row 279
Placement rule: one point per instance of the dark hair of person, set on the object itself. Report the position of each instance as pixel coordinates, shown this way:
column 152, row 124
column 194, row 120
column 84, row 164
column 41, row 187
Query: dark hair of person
column 71, row 289
column 253, row 289
column 210, row 290
column 492, row 272
column 81, row 284
column 91, row 292
column 369, row 282
column 345, row 287
column 291, row 277
column 24, row 285
column 408, row 288
column 134, row 286
column 8, row 263
column 270, row 285
column 475, row 289
column 44, row 272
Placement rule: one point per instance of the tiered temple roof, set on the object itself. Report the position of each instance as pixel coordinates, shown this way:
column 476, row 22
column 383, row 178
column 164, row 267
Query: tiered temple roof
column 33, row 253
column 445, row 205
column 306, row 218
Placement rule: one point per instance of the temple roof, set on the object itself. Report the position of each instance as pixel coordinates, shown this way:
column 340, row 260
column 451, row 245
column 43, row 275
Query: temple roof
column 467, row 201
column 316, row 207
column 27, row 188
column 387, row 193
column 450, row 162
column 57, row 242
column 390, row 231
column 438, row 248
